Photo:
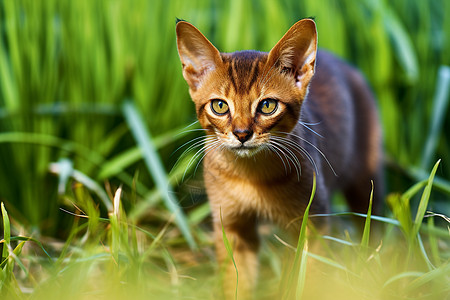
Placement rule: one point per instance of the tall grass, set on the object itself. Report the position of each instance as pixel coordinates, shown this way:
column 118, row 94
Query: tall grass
column 69, row 139
column 113, row 258
column 66, row 67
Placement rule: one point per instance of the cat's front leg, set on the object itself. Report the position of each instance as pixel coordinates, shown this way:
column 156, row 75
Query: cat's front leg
column 241, row 232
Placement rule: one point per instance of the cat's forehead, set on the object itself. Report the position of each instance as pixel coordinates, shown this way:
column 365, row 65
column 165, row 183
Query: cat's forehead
column 244, row 69
column 245, row 57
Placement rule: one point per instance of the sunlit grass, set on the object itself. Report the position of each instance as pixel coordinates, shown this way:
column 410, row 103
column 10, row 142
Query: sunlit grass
column 69, row 139
column 114, row 258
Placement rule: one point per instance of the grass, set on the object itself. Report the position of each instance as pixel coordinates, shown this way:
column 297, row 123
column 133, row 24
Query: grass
column 113, row 258
column 92, row 99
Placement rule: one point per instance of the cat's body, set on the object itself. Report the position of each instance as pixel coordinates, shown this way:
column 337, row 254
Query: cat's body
column 267, row 135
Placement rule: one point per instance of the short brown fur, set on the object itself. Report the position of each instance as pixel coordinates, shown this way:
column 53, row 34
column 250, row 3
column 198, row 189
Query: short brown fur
column 260, row 166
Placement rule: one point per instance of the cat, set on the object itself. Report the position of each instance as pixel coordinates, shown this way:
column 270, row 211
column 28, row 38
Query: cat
column 272, row 120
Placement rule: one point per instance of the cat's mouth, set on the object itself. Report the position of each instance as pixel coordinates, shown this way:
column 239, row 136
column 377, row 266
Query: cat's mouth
column 244, row 149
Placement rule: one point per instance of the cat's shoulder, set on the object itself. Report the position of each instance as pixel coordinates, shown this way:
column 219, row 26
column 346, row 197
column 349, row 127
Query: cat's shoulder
column 331, row 65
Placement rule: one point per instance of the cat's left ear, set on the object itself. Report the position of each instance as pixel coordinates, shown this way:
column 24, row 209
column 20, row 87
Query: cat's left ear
column 296, row 52
column 197, row 54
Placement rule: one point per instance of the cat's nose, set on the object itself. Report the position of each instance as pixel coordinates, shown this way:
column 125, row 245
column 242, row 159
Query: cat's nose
column 242, row 135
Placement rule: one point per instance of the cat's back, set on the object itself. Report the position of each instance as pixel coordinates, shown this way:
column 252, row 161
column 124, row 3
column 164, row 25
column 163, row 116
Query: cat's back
column 341, row 109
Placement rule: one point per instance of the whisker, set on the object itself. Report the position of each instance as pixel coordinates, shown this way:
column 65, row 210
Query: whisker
column 275, row 150
column 311, row 124
column 292, row 157
column 299, row 148
column 188, row 142
column 204, row 143
column 318, row 150
column 312, row 145
column 192, row 124
column 191, row 130
column 198, row 143
column 183, row 131
column 212, row 147
column 193, row 158
column 281, row 143
column 196, row 156
column 305, row 152
column 281, row 149
column 306, row 126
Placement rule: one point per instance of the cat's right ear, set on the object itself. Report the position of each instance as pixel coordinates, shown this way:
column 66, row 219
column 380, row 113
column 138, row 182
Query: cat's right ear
column 296, row 52
column 198, row 56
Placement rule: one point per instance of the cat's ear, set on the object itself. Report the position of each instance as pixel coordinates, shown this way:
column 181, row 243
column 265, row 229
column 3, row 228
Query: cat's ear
column 198, row 56
column 296, row 52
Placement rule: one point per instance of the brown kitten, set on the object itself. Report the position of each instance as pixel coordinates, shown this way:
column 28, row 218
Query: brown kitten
column 270, row 124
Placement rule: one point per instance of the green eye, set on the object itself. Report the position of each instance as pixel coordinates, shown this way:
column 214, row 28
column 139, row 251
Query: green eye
column 268, row 106
column 219, row 107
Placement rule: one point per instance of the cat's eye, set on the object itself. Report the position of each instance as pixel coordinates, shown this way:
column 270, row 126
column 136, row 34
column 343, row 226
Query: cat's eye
column 267, row 106
column 219, row 107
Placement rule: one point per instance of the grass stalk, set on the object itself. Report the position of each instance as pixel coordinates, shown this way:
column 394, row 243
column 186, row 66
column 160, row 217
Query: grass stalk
column 6, row 234
column 156, row 169
column 366, row 232
column 229, row 250
column 297, row 275
column 440, row 105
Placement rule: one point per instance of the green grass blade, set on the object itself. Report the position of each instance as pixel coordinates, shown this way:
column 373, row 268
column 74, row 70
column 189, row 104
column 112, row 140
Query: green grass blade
column 401, row 276
column 440, row 104
column 302, row 244
column 51, row 141
column 7, row 84
column 438, row 274
column 156, row 169
column 302, row 272
column 26, row 239
column 337, row 240
column 299, row 266
column 424, row 201
column 131, row 155
column 385, row 220
column 118, row 163
column 366, row 233
column 414, row 189
column 424, row 254
column 82, row 178
column 331, row 263
column 6, row 233
column 417, row 174
column 433, row 241
column 229, row 250
column 199, row 214
column 16, row 253
column 403, row 45
column 156, row 239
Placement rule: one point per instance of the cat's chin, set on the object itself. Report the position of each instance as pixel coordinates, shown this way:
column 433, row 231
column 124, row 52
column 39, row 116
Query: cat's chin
column 246, row 151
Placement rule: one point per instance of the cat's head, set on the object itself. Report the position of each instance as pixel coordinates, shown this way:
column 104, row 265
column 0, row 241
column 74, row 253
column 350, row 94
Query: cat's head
column 245, row 97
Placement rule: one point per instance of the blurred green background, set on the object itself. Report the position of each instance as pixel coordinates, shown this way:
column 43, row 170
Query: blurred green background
column 76, row 75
